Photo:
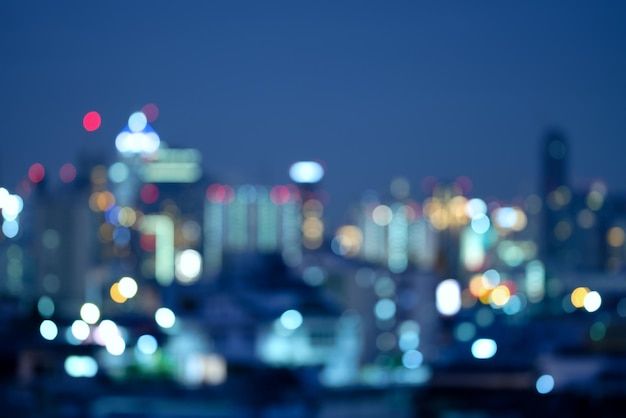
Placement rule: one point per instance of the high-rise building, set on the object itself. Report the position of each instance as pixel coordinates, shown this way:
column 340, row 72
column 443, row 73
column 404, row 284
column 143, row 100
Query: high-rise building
column 557, row 196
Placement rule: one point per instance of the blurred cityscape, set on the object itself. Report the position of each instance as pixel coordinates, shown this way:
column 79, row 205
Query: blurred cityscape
column 144, row 287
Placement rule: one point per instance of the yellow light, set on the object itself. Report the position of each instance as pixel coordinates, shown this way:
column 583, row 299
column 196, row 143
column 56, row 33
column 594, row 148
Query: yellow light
column 116, row 296
column 615, row 237
column 578, row 296
column 485, row 298
column 101, row 201
column 456, row 209
column 127, row 217
column 477, row 286
column 500, row 295
column 350, row 238
column 312, row 228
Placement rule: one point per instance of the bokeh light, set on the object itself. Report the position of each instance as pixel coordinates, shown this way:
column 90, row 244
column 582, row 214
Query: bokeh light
column 48, row 330
column 67, row 173
column 291, row 319
column 90, row 313
column 165, row 318
column 36, row 173
column 544, row 384
column 484, row 348
column 92, row 121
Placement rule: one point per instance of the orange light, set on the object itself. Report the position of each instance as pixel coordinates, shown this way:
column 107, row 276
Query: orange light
column 116, row 295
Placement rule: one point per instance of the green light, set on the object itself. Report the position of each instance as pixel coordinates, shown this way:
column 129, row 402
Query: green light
column 237, row 221
column 397, row 259
column 535, row 281
column 213, row 233
column 162, row 227
column 267, row 222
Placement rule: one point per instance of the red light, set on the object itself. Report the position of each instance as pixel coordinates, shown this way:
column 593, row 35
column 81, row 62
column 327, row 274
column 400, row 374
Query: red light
column 36, row 173
column 67, row 173
column 149, row 193
column 151, row 111
column 217, row 193
column 280, row 195
column 91, row 121
column 148, row 243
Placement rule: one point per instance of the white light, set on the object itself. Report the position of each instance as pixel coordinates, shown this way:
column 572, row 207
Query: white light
column 306, row 172
column 106, row 331
column 90, row 313
column 412, row 359
column 80, row 330
column 81, row 366
column 48, row 330
column 545, row 384
column 505, row 217
column 484, row 348
column 116, row 345
column 165, row 318
column 382, row 215
column 137, row 142
column 475, row 207
column 385, row 309
column 291, row 319
column 127, row 287
column 12, row 207
column 147, row 344
column 137, row 122
column 448, row 297
column 188, row 266
column 480, row 223
column 10, row 228
column 592, row 301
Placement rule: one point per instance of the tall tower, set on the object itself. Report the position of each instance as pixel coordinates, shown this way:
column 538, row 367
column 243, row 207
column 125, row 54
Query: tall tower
column 556, row 195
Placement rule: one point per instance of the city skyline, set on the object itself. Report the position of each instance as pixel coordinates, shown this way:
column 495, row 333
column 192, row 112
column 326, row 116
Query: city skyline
column 327, row 209
column 450, row 84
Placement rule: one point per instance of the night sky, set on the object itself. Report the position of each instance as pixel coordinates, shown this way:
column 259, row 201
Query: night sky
column 373, row 89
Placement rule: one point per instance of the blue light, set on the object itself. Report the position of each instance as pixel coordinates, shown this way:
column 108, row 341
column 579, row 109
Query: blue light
column 10, row 228
column 385, row 309
column 137, row 122
column 545, row 384
column 118, row 172
column 412, row 359
column 147, row 344
column 121, row 236
column 291, row 319
column 480, row 224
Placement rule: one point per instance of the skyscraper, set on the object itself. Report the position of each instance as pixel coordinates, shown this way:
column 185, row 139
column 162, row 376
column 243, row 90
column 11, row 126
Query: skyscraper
column 556, row 196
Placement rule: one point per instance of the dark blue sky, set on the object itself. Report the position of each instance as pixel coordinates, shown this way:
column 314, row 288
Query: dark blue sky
column 374, row 89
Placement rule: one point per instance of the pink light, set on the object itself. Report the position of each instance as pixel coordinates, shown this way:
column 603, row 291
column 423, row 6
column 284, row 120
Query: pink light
column 149, row 193
column 91, row 121
column 36, row 173
column 151, row 111
column 280, row 194
column 67, row 173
